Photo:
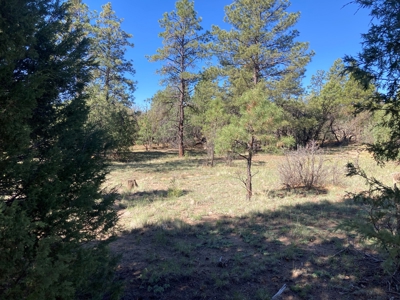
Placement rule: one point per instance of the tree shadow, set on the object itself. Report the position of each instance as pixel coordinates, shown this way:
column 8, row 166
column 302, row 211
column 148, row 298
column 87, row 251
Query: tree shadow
column 162, row 166
column 143, row 156
column 129, row 199
column 251, row 257
column 167, row 161
column 298, row 192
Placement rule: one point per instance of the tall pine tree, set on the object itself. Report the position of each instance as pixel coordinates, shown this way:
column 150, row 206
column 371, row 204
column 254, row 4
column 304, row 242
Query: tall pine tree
column 112, row 84
column 183, row 41
column 258, row 53
column 51, row 205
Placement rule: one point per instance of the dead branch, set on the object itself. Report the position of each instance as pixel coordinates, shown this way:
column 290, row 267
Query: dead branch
column 282, row 289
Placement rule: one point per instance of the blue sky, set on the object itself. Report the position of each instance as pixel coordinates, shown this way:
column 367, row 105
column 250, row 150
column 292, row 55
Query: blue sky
column 331, row 28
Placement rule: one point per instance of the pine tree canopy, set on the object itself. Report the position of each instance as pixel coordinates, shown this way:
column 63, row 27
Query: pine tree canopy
column 378, row 64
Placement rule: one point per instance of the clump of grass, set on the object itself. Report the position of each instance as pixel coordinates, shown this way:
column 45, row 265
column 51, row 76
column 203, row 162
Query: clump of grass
column 173, row 190
column 302, row 290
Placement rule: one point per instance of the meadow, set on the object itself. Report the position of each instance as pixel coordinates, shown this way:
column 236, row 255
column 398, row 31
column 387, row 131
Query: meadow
column 188, row 232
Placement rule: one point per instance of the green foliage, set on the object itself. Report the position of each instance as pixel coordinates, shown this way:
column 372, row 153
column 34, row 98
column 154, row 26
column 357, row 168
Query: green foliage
column 257, row 121
column 183, row 48
column 333, row 100
column 327, row 113
column 252, row 125
column 146, row 132
column 51, row 204
column 210, row 115
column 173, row 190
column 380, row 132
column 380, row 222
column 302, row 122
column 377, row 64
column 158, row 124
column 264, row 64
column 111, row 88
column 261, row 45
column 80, row 15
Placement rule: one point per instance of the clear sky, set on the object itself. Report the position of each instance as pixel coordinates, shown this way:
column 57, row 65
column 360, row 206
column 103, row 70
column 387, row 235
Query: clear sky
column 331, row 28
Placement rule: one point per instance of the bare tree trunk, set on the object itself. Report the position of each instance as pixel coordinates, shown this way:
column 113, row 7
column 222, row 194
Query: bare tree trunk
column 212, row 155
column 396, row 189
column 256, row 71
column 107, row 84
column 249, row 186
column 181, row 119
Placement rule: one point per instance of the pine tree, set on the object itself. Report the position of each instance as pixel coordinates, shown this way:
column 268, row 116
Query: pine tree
column 112, row 86
column 210, row 115
column 260, row 53
column 378, row 64
column 80, row 15
column 261, row 44
column 51, row 205
column 183, row 48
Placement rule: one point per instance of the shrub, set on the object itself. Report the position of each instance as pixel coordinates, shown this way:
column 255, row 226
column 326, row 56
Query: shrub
column 304, row 167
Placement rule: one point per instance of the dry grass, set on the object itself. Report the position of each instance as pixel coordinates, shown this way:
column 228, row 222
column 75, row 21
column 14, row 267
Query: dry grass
column 189, row 232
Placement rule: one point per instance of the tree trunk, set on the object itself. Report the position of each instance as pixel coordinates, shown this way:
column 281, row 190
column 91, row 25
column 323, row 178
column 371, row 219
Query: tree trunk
column 249, row 186
column 256, row 71
column 212, row 156
column 210, row 153
column 181, row 119
column 107, row 84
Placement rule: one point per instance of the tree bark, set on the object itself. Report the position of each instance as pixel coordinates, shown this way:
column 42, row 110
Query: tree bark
column 181, row 119
column 212, row 155
column 249, row 185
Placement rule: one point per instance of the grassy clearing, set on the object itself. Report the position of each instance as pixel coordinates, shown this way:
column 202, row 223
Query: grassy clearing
column 189, row 233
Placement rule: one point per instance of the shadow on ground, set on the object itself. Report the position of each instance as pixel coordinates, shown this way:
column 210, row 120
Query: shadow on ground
column 297, row 192
column 143, row 198
column 153, row 165
column 252, row 257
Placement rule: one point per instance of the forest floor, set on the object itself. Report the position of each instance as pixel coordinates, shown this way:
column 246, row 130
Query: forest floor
column 188, row 232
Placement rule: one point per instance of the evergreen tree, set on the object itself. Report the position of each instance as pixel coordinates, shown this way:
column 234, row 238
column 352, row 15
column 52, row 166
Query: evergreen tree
column 80, row 15
column 146, row 131
column 260, row 53
column 252, row 126
column 333, row 101
column 261, row 45
column 210, row 115
column 303, row 121
column 164, row 117
column 183, row 49
column 378, row 64
column 51, row 205
column 112, row 86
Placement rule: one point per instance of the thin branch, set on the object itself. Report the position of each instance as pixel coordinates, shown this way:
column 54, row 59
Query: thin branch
column 282, row 289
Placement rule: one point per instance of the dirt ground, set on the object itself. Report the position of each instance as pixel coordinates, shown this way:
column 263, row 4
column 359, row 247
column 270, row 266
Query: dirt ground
column 205, row 251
